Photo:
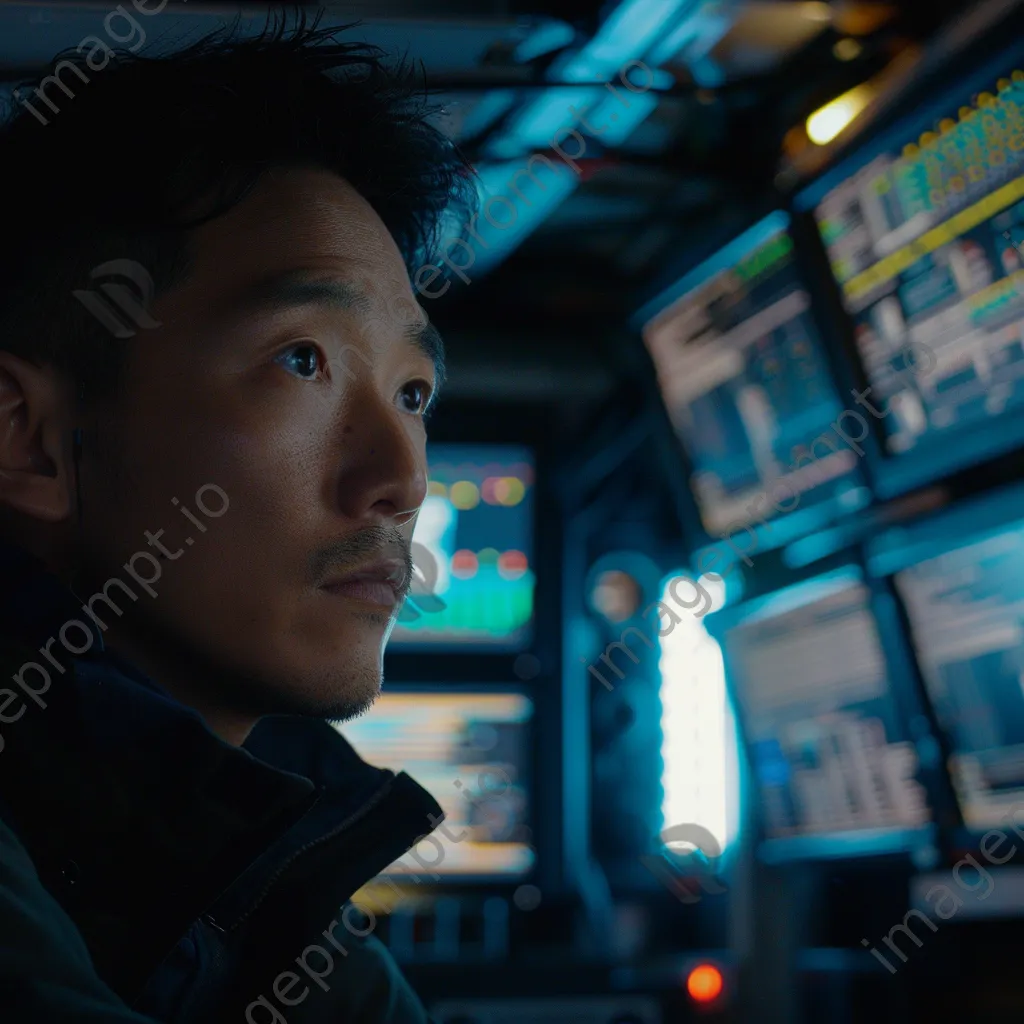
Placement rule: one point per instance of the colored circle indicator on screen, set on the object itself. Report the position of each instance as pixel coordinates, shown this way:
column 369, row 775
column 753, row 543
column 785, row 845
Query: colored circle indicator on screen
column 465, row 564
column 477, row 526
column 464, row 495
column 512, row 565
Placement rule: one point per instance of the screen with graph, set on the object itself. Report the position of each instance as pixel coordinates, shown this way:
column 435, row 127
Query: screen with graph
column 966, row 611
column 473, row 550
column 470, row 751
column 829, row 748
column 743, row 375
column 926, row 243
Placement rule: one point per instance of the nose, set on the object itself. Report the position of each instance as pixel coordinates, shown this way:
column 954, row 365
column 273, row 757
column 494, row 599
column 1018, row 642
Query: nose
column 383, row 464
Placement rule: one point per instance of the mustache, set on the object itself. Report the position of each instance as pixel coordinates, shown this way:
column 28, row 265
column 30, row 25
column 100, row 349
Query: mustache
column 371, row 545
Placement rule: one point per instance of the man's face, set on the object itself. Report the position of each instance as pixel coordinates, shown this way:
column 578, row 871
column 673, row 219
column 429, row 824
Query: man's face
column 290, row 374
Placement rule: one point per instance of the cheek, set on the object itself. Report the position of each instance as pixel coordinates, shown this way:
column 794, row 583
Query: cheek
column 269, row 468
column 273, row 481
column 146, row 482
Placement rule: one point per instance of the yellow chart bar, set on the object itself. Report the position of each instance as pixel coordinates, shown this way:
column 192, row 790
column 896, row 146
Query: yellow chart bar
column 895, row 263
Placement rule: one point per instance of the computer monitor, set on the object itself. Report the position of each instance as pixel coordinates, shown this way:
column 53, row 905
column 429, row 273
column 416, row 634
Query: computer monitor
column 473, row 548
column 833, row 763
column 470, row 750
column 924, row 230
column 745, row 380
column 963, row 591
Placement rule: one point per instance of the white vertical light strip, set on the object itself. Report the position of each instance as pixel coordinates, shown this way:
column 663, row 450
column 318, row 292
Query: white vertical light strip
column 700, row 777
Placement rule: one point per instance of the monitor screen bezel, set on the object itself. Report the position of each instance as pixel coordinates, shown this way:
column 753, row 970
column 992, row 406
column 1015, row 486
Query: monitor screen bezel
column 455, row 420
column 892, row 475
column 413, row 646
column 531, row 765
column 802, row 589
column 928, row 537
column 786, row 526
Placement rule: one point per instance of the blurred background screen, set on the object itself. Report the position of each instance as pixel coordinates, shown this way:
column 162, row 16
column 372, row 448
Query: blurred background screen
column 746, row 383
column 476, row 578
column 471, row 751
column 966, row 610
column 829, row 751
column 923, row 241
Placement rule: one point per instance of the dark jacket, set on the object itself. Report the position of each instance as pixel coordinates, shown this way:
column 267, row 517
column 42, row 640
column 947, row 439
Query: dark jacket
column 145, row 863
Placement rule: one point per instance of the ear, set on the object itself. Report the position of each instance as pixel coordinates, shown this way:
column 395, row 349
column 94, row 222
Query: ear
column 35, row 432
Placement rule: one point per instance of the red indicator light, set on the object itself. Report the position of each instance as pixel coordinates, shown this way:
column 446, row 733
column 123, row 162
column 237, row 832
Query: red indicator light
column 704, row 983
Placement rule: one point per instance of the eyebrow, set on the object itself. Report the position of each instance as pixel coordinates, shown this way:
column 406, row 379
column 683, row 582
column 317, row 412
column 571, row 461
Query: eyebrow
column 296, row 289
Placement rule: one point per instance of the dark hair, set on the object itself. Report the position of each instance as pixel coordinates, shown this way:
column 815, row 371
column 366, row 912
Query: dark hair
column 140, row 150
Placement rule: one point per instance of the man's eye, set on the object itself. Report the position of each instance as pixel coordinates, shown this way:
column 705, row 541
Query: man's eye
column 303, row 360
column 415, row 395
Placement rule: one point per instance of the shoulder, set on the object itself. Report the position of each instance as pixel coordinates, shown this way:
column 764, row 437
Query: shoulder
column 27, row 908
column 45, row 969
column 34, row 929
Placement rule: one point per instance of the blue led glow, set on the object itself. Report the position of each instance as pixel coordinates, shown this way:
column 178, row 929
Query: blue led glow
column 520, row 195
column 672, row 42
column 693, row 39
column 552, row 35
column 538, row 124
column 625, row 36
column 618, row 123
column 627, row 33
column 487, row 110
column 862, row 843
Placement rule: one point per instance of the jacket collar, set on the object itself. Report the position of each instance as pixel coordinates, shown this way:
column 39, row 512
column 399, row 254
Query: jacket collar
column 136, row 813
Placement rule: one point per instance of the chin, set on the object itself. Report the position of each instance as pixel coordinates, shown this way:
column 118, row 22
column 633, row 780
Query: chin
column 325, row 691
column 350, row 695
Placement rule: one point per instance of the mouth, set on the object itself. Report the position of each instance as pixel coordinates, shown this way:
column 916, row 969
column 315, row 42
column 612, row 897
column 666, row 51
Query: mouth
column 382, row 583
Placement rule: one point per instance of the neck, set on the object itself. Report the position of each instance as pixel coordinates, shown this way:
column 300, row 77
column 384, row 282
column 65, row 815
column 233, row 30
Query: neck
column 186, row 679
column 185, row 685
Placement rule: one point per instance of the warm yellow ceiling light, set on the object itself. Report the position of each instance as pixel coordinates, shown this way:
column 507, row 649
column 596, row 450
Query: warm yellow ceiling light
column 847, row 49
column 827, row 122
column 813, row 10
